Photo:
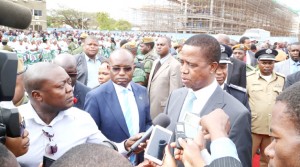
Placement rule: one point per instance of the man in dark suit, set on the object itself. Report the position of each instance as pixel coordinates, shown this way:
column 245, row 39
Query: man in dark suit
column 88, row 62
column 291, row 79
column 221, row 75
column 199, row 59
column 120, row 107
column 236, row 68
column 68, row 62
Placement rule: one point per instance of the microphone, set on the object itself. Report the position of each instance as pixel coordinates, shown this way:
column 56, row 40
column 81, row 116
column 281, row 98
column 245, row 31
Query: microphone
column 162, row 120
column 14, row 15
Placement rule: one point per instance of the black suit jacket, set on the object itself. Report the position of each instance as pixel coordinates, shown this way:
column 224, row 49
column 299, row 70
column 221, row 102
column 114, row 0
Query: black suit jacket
column 225, row 162
column 236, row 72
column 239, row 93
column 291, row 79
column 80, row 92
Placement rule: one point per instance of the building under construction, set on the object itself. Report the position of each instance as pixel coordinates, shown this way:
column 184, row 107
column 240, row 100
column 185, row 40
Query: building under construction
column 231, row 17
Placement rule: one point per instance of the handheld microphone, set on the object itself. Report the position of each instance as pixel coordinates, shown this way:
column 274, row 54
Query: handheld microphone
column 162, row 120
column 14, row 15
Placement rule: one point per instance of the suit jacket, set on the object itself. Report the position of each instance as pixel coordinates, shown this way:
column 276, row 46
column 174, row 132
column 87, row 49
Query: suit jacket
column 82, row 69
column 291, row 79
column 166, row 79
column 236, row 72
column 283, row 67
column 103, row 105
column 80, row 92
column 239, row 93
column 225, row 162
column 239, row 116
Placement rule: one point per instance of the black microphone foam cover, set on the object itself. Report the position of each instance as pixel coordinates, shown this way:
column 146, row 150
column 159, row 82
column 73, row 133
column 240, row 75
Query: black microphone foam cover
column 162, row 120
column 14, row 15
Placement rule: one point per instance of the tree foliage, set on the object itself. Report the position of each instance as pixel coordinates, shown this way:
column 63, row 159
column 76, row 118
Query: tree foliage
column 105, row 22
column 83, row 20
column 71, row 17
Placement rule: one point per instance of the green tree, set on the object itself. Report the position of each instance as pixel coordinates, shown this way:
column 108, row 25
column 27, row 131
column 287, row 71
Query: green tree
column 105, row 22
column 123, row 25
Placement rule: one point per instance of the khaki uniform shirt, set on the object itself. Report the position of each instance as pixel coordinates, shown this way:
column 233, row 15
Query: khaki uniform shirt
column 262, row 95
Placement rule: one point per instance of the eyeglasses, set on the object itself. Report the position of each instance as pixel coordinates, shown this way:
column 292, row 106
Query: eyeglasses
column 51, row 147
column 118, row 69
column 22, row 127
column 73, row 74
column 21, row 72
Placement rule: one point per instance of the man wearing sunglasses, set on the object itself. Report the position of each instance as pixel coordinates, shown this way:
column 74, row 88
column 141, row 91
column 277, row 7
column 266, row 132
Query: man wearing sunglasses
column 120, row 107
column 68, row 62
column 53, row 124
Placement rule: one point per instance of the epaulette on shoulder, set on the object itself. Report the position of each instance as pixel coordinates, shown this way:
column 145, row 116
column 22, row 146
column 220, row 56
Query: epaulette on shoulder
column 250, row 73
column 237, row 88
column 280, row 74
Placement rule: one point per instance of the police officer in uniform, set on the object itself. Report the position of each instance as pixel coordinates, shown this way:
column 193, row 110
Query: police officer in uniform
column 221, row 75
column 147, row 49
column 139, row 75
column 263, row 86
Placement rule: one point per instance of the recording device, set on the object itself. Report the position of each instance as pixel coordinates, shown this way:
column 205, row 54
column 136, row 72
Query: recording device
column 180, row 133
column 155, row 150
column 14, row 15
column 162, row 119
column 9, row 117
column 47, row 162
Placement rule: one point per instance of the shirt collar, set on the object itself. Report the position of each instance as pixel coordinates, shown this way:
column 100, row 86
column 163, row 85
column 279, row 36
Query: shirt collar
column 120, row 89
column 89, row 59
column 207, row 91
column 164, row 59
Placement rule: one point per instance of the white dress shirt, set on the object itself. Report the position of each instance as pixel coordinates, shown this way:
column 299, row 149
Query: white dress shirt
column 132, row 103
column 71, row 127
column 92, row 68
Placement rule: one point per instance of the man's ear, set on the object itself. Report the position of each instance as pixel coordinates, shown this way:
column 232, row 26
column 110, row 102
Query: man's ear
column 213, row 66
column 37, row 95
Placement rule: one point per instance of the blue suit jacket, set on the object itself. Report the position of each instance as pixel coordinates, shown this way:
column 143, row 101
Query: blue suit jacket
column 103, row 105
column 80, row 92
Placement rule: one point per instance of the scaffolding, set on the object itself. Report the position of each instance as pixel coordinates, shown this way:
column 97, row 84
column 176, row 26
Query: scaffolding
column 230, row 17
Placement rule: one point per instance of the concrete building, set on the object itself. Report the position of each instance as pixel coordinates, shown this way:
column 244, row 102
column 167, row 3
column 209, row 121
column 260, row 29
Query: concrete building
column 231, row 17
column 39, row 13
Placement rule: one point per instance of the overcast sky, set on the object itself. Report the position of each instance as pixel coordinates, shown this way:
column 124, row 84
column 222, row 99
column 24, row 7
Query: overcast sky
column 115, row 7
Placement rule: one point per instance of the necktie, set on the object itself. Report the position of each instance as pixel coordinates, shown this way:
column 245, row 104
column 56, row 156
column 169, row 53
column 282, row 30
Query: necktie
column 156, row 68
column 188, row 105
column 127, row 112
column 128, row 118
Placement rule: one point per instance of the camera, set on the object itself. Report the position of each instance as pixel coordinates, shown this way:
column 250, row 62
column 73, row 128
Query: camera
column 9, row 117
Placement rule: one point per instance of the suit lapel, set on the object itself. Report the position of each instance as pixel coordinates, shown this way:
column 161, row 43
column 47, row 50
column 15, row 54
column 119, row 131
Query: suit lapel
column 229, row 73
column 215, row 101
column 139, row 102
column 115, row 108
column 178, row 101
column 162, row 68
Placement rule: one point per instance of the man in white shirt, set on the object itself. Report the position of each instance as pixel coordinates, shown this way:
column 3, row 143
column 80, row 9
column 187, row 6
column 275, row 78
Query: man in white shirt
column 53, row 124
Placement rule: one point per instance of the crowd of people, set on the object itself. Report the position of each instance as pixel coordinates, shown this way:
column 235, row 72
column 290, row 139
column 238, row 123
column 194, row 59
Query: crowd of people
column 107, row 88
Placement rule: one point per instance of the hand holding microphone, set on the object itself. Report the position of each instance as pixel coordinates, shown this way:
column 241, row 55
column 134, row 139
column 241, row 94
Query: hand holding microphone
column 162, row 120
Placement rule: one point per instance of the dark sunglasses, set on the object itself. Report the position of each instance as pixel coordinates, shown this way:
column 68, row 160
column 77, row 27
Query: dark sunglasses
column 51, row 147
column 118, row 69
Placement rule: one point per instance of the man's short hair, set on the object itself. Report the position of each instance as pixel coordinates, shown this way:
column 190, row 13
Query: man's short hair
column 209, row 46
column 243, row 39
column 91, row 155
column 7, row 159
column 291, row 98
